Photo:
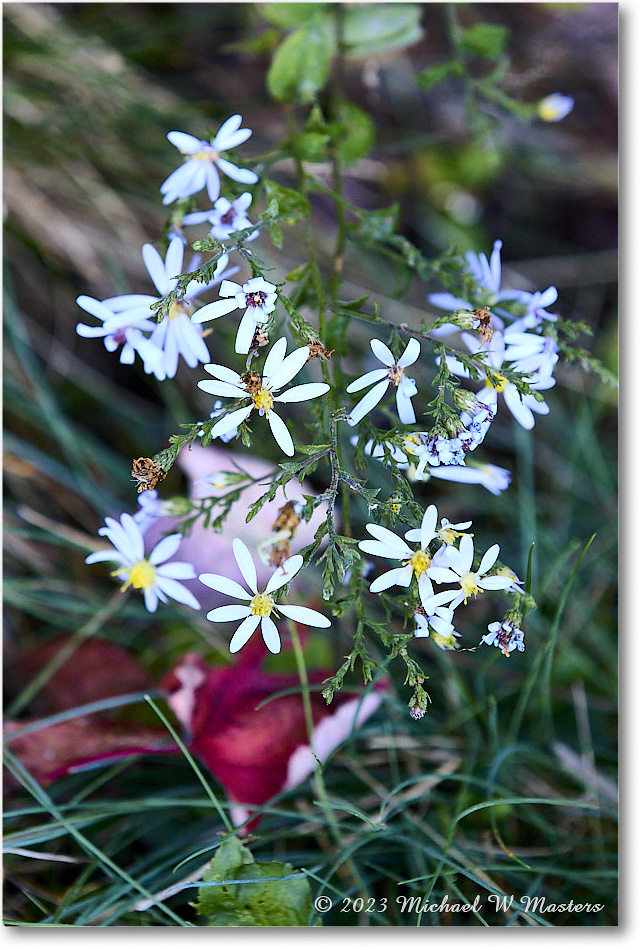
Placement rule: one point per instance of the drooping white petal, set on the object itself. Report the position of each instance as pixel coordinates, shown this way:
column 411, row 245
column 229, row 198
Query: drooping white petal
column 368, row 379
column 224, row 585
column 518, row 410
column 244, row 632
column 405, row 408
column 245, row 332
column 382, row 352
column 245, row 563
column 151, row 599
column 280, row 433
column 369, row 401
column 303, row 393
column 425, row 588
column 165, row 549
column 107, row 554
column 304, row 615
column 230, row 612
column 271, row 636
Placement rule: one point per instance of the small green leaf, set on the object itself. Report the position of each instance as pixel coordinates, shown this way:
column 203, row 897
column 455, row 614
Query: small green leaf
column 287, row 15
column 288, row 201
column 485, row 39
column 302, row 62
column 431, row 77
column 356, row 132
column 380, row 27
column 244, row 893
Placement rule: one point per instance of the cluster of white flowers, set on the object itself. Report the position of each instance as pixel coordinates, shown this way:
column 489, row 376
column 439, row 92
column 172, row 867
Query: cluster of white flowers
column 523, row 346
column 430, row 555
column 438, row 559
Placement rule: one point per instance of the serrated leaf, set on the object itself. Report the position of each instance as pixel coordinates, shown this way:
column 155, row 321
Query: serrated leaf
column 245, row 893
column 380, row 27
column 485, row 39
column 301, row 64
column 287, row 15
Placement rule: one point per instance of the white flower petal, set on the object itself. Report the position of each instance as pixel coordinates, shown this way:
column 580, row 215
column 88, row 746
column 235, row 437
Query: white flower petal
column 284, row 574
column 230, row 421
column 288, row 369
column 428, row 525
column 401, row 576
column 165, row 549
column 245, row 332
column 245, row 563
column 228, row 128
column 174, row 261
column 242, row 175
column 275, row 357
column 230, row 612
column 271, row 636
column 496, row 582
column 488, row 559
column 107, row 554
column 382, row 352
column 389, row 538
column 462, row 560
column 367, row 404
column 212, row 311
column 410, row 355
column 368, row 379
column 304, row 615
column 224, row 585
column 216, row 388
column 151, row 599
column 223, row 373
column 303, row 393
column 244, row 632
column 177, row 591
column 179, row 570
column 156, row 269
column 405, row 408
column 188, row 144
column 280, row 433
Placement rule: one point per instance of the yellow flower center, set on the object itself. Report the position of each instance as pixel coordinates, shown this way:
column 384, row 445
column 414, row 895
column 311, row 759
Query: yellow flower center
column 420, row 562
column 445, row 643
column 262, row 605
column 179, row 307
column 142, row 575
column 263, row 399
column 496, row 381
column 448, row 535
column 204, row 156
column 395, row 374
column 469, row 585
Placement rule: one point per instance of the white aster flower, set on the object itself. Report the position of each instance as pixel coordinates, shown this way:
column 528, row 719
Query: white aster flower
column 530, row 352
column 260, row 605
column 506, row 636
column 156, row 579
column 225, row 218
column 439, row 627
column 488, row 276
column 555, row 107
column 460, row 571
column 257, row 296
column 203, row 161
column 261, row 391
column 122, row 329
column 416, row 562
column 381, row 378
column 492, row 477
column 175, row 335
